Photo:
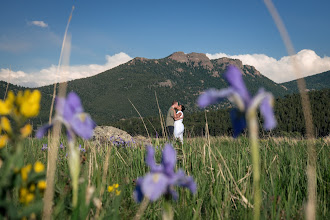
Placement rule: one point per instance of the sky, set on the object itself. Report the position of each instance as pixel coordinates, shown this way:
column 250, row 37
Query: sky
column 107, row 33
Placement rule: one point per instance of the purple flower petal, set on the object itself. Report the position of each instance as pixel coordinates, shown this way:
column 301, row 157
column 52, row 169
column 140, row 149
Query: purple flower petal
column 169, row 159
column 150, row 160
column 138, row 195
column 83, row 125
column 213, row 96
column 154, row 185
column 238, row 121
column 72, row 106
column 234, row 77
column 268, row 114
column 43, row 130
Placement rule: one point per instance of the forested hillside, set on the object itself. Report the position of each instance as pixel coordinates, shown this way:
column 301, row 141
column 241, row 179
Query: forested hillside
column 288, row 112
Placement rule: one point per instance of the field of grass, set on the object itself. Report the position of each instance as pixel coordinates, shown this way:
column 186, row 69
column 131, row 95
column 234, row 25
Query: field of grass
column 220, row 166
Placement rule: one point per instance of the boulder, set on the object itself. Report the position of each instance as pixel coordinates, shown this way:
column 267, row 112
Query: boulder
column 116, row 136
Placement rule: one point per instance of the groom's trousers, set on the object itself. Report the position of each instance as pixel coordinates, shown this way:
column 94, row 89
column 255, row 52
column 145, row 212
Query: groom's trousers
column 170, row 131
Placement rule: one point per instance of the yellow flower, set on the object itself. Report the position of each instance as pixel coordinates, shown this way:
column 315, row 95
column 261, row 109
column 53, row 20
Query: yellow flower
column 118, row 192
column 42, row 184
column 32, row 187
column 115, row 185
column 30, row 104
column 5, row 124
column 23, row 192
column 38, row 167
column 29, row 197
column 7, row 105
column 25, row 172
column 110, row 188
column 26, row 130
column 3, row 140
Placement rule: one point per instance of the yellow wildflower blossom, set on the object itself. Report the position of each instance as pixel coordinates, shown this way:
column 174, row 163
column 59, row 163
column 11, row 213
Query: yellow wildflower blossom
column 30, row 104
column 118, row 192
column 3, row 140
column 5, row 124
column 23, row 192
column 110, row 188
column 115, row 185
column 7, row 105
column 32, row 187
column 42, row 184
column 38, row 167
column 29, row 197
column 25, row 172
column 26, row 130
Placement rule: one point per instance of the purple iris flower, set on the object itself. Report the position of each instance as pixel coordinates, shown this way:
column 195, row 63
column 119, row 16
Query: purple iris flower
column 71, row 114
column 162, row 178
column 82, row 149
column 61, row 146
column 238, row 94
column 44, row 147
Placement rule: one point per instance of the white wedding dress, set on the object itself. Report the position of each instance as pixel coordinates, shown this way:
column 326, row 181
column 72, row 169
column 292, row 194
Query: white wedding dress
column 179, row 128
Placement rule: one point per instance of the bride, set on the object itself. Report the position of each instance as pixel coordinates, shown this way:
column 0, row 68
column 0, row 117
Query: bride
column 178, row 123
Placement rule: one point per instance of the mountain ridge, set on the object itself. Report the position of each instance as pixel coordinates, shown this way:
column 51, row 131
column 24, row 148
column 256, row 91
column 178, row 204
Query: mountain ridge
column 178, row 76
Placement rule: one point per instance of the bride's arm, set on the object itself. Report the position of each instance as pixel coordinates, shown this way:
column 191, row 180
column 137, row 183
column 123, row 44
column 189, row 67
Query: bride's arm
column 178, row 116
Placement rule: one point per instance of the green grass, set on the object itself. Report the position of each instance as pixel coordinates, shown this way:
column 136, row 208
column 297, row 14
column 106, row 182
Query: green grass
column 283, row 179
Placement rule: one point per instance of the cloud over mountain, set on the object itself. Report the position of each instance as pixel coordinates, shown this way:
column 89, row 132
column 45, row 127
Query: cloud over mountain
column 282, row 70
column 48, row 75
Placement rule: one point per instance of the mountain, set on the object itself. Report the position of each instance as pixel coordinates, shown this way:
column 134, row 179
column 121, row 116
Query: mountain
column 314, row 82
column 179, row 77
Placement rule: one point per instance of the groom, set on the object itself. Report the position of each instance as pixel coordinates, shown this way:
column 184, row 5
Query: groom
column 170, row 119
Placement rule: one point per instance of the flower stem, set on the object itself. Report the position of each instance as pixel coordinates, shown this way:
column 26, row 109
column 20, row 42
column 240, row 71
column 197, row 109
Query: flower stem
column 74, row 167
column 167, row 211
column 253, row 135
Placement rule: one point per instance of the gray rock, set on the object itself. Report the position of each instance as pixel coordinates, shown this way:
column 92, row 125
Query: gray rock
column 109, row 134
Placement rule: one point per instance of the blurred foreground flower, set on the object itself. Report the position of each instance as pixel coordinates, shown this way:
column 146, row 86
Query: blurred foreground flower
column 71, row 114
column 245, row 115
column 238, row 94
column 162, row 178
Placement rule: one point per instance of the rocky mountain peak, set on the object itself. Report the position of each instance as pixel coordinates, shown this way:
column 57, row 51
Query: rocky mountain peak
column 194, row 59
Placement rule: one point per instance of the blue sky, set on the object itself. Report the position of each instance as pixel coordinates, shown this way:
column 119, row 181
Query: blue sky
column 155, row 29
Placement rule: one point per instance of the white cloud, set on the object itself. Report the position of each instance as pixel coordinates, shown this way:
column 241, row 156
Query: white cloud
column 39, row 24
column 281, row 70
column 48, row 76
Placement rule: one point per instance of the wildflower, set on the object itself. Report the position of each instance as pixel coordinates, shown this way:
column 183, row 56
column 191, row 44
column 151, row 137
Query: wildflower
column 162, row 178
column 238, row 94
column 29, row 197
column 25, row 172
column 5, row 125
column 44, row 147
column 42, row 185
column 118, row 192
column 71, row 114
column 26, row 130
column 32, row 188
column 29, row 103
column 7, row 105
column 116, row 185
column 3, row 140
column 110, row 188
column 82, row 149
column 22, row 194
column 39, row 167
column 62, row 146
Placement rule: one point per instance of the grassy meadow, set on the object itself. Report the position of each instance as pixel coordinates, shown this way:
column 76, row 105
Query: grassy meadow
column 221, row 167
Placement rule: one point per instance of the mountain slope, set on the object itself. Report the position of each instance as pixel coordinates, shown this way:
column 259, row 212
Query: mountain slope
column 179, row 77
column 314, row 82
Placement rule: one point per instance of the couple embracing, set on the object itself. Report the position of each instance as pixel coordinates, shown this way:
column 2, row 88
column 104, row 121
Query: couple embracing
column 174, row 121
